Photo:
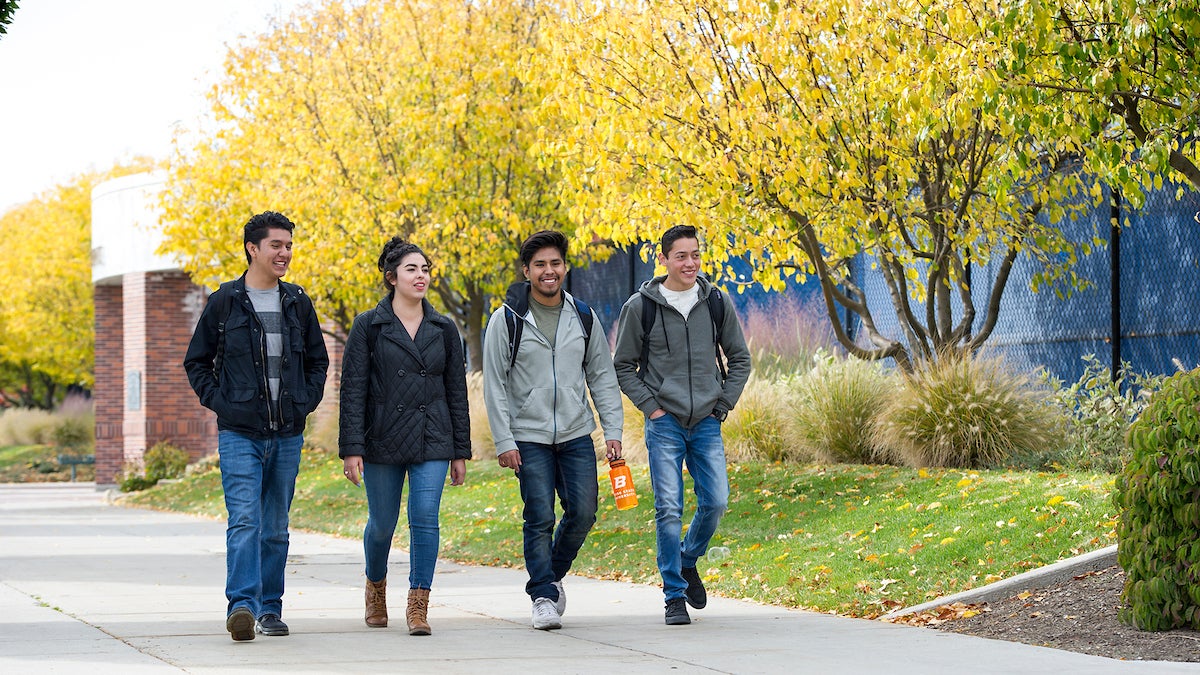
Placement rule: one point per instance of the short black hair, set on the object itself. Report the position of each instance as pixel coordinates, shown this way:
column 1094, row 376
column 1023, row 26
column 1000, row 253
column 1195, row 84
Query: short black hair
column 674, row 234
column 393, row 252
column 256, row 229
column 541, row 240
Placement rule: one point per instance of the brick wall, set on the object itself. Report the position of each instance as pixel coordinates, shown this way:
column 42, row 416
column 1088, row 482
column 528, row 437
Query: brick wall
column 109, row 391
column 161, row 310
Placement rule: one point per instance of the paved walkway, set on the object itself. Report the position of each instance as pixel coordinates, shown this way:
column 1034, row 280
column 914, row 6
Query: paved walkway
column 95, row 588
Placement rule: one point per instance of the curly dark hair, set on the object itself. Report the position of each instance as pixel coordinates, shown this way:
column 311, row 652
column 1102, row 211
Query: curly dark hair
column 393, row 252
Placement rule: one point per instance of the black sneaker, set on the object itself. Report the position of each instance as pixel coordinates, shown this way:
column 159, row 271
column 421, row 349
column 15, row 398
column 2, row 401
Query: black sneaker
column 270, row 624
column 696, row 597
column 677, row 613
column 240, row 624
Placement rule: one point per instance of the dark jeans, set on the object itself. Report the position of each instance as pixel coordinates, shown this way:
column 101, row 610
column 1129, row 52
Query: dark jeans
column 570, row 470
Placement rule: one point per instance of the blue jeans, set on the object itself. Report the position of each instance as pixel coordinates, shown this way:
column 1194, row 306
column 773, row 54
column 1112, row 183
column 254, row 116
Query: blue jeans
column 385, row 489
column 259, row 478
column 570, row 470
column 669, row 445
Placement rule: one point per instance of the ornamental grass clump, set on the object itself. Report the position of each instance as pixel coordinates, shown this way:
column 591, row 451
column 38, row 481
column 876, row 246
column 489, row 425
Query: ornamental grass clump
column 964, row 411
column 758, row 426
column 835, row 406
column 1158, row 493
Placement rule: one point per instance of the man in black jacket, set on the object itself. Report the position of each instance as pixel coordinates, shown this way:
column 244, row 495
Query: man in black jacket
column 257, row 359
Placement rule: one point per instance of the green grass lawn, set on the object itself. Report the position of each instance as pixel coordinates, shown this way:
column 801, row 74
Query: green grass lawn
column 37, row 464
column 856, row 540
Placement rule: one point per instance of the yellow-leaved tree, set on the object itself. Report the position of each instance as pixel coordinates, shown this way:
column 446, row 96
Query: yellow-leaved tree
column 370, row 119
column 800, row 136
column 1122, row 76
column 46, row 312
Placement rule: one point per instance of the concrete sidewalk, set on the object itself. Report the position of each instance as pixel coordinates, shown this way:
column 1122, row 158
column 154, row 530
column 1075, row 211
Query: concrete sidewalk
column 96, row 588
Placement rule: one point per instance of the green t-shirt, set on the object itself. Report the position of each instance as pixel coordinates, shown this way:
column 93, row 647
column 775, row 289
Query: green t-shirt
column 546, row 318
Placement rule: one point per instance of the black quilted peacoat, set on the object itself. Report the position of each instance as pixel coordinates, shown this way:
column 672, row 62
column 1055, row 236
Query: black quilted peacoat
column 403, row 401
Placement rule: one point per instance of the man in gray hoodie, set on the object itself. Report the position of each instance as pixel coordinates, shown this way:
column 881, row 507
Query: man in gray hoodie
column 543, row 351
column 668, row 360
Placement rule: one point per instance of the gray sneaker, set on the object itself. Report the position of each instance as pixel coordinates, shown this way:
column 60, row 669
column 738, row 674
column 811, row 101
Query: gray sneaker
column 560, row 605
column 545, row 617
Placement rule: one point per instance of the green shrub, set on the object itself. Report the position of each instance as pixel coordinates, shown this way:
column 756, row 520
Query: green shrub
column 133, row 482
column 1158, row 493
column 73, row 432
column 164, row 460
column 757, row 428
column 835, row 406
column 964, row 411
column 1097, row 412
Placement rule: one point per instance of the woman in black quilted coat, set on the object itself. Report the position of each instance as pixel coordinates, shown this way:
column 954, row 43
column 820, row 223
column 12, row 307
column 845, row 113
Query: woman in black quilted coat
column 403, row 414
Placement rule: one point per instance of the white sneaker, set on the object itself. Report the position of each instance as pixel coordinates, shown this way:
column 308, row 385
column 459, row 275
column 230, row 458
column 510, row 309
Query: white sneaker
column 545, row 617
column 561, row 605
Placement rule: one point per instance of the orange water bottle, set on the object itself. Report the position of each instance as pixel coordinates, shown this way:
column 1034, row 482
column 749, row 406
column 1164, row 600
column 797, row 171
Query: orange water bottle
column 622, row 484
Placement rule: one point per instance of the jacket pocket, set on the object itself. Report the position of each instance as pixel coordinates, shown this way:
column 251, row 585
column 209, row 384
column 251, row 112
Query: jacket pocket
column 241, row 409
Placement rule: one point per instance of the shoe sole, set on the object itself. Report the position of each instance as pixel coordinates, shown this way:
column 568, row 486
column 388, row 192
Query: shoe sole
column 678, row 621
column 553, row 626
column 240, row 625
column 697, row 605
column 275, row 633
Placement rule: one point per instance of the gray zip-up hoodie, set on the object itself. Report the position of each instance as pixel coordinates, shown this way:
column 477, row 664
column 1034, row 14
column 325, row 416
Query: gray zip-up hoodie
column 543, row 398
column 681, row 375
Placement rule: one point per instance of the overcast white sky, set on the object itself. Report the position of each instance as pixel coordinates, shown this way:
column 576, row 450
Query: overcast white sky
column 85, row 83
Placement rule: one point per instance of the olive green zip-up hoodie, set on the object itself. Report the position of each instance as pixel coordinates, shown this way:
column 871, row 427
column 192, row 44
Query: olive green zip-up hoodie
column 681, row 375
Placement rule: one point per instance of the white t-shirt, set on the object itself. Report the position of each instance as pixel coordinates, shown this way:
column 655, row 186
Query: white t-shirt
column 683, row 300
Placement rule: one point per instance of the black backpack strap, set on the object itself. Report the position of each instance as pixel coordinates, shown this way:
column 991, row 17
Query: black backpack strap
column 587, row 319
column 716, row 311
column 649, row 311
column 516, row 326
column 222, row 319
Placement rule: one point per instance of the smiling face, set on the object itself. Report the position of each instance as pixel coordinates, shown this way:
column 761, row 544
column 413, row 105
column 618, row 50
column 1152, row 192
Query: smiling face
column 411, row 278
column 682, row 262
column 270, row 258
column 545, row 272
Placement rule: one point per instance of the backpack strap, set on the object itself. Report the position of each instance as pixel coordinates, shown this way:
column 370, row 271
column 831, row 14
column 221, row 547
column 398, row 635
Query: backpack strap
column 716, row 312
column 587, row 319
column 649, row 312
column 222, row 319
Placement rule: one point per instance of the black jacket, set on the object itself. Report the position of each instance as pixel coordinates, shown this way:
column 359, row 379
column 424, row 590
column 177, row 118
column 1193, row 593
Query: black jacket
column 404, row 401
column 238, row 393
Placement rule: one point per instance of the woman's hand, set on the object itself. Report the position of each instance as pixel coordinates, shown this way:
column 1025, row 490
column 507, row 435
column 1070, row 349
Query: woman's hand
column 458, row 471
column 352, row 468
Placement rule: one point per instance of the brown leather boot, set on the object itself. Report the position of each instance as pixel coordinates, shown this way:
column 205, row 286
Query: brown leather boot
column 377, row 603
column 418, row 607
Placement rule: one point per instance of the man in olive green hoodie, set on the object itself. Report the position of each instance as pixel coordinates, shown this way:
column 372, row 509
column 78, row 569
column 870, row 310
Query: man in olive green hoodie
column 543, row 352
column 668, row 364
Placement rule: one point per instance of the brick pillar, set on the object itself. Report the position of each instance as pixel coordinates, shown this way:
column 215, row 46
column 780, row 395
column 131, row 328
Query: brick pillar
column 161, row 310
column 109, row 390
